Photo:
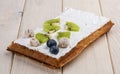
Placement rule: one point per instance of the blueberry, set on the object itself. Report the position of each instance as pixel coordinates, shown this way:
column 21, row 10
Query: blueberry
column 51, row 42
column 54, row 50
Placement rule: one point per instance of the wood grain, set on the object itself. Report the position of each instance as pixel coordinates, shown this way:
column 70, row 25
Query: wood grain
column 95, row 59
column 111, row 9
column 35, row 13
column 10, row 17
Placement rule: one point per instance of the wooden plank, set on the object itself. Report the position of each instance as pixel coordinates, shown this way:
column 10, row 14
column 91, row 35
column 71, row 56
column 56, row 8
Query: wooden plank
column 35, row 13
column 95, row 59
column 111, row 9
column 10, row 18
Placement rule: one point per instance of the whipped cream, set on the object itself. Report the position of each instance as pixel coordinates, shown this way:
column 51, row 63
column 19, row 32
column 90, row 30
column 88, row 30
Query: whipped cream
column 87, row 22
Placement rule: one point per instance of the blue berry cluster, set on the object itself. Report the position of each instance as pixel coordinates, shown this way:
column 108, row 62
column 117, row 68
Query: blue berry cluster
column 52, row 44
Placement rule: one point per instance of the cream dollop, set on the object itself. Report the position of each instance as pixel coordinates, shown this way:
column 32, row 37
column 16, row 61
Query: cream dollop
column 34, row 42
column 64, row 42
column 29, row 33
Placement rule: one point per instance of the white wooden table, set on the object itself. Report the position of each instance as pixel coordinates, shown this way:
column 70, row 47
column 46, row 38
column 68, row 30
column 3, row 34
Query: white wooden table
column 102, row 57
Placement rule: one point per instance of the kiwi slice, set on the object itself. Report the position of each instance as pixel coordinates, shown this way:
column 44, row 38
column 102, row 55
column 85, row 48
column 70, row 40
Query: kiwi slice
column 52, row 25
column 63, row 34
column 42, row 37
column 57, row 20
column 72, row 26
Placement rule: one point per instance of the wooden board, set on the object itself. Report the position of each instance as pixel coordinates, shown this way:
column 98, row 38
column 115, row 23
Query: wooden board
column 95, row 59
column 10, row 17
column 35, row 13
column 111, row 9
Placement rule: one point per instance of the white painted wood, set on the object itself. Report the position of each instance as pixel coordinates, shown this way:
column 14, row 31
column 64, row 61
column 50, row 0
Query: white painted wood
column 111, row 9
column 10, row 18
column 95, row 59
column 35, row 13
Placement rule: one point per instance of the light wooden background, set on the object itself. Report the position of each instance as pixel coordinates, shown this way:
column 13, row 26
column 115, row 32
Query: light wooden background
column 102, row 57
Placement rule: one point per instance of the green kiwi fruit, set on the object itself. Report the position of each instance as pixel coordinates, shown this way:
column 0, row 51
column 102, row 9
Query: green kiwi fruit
column 42, row 37
column 52, row 25
column 63, row 34
column 70, row 26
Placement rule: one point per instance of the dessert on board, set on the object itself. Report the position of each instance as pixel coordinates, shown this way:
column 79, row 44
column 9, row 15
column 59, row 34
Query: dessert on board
column 63, row 38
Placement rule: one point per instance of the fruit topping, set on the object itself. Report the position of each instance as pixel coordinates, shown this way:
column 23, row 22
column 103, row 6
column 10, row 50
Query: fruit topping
column 52, row 25
column 63, row 34
column 34, row 42
column 29, row 33
column 54, row 50
column 51, row 43
column 42, row 37
column 56, row 20
column 64, row 42
column 70, row 26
